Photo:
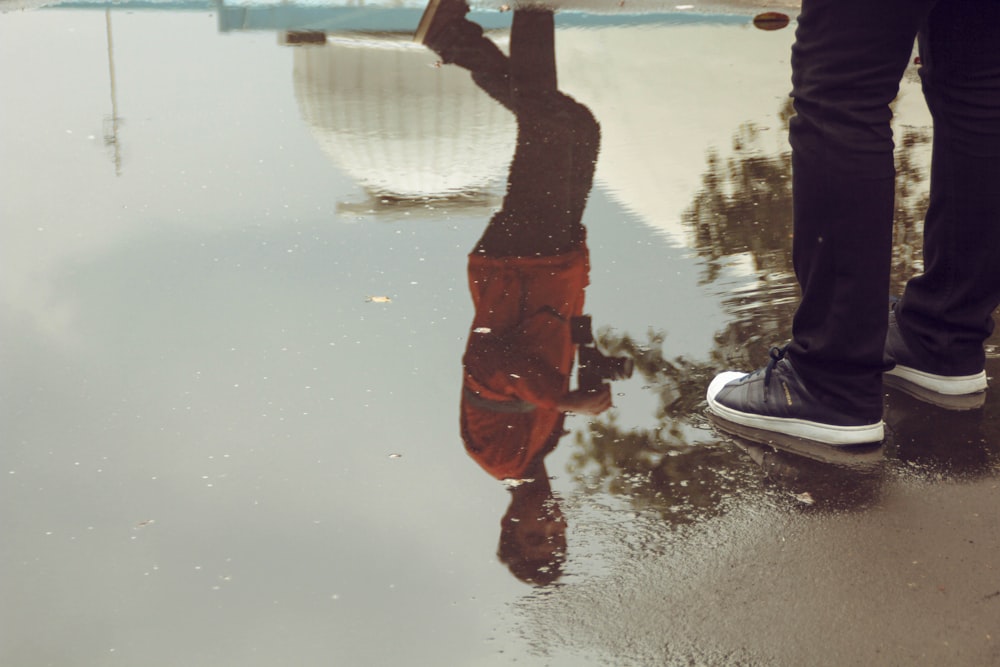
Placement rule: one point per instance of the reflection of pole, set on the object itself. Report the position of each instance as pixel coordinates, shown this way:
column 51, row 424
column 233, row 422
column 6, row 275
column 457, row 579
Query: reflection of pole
column 111, row 137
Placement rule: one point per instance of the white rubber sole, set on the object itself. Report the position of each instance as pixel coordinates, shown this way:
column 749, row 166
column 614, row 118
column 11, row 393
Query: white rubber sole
column 948, row 385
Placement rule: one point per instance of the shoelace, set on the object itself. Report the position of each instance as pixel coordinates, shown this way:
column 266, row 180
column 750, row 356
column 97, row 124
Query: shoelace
column 776, row 354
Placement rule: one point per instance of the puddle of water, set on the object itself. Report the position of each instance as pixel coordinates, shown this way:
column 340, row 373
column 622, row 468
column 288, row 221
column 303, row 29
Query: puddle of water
column 236, row 304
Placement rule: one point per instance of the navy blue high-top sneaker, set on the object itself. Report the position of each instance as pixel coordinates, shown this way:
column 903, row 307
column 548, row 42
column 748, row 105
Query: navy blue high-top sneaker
column 775, row 399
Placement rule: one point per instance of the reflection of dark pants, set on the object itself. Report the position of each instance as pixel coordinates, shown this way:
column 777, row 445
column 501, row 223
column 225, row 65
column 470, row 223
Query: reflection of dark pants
column 557, row 138
column 847, row 62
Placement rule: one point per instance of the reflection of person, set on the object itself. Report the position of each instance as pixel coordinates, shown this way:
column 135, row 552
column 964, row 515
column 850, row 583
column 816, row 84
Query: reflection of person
column 847, row 61
column 528, row 271
column 527, row 276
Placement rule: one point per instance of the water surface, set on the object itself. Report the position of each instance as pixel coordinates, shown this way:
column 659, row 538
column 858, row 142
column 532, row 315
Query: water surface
column 234, row 306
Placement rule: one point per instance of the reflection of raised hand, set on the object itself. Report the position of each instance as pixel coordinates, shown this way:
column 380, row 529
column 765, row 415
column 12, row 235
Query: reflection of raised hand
column 438, row 17
column 587, row 402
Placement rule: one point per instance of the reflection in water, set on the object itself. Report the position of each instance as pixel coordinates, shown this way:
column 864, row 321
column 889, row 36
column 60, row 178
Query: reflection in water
column 819, row 476
column 533, row 533
column 168, row 435
column 113, row 122
column 743, row 211
column 527, row 276
column 960, row 442
column 434, row 143
column 739, row 222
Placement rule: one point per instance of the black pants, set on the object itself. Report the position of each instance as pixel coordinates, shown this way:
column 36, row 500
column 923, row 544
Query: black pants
column 847, row 61
column 558, row 138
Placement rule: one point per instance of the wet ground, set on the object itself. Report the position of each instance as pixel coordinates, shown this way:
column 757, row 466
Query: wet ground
column 234, row 307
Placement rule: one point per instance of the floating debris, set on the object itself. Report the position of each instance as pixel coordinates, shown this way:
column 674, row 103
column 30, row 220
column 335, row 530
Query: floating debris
column 395, row 456
column 512, row 483
column 804, row 497
column 771, row 21
column 482, row 330
column 378, row 299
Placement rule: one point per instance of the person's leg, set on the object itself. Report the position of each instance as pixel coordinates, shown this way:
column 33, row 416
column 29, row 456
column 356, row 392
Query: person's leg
column 557, row 140
column 847, row 61
column 547, row 116
column 945, row 313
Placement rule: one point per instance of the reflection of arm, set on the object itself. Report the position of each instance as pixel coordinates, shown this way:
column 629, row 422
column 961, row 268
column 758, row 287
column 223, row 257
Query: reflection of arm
column 507, row 368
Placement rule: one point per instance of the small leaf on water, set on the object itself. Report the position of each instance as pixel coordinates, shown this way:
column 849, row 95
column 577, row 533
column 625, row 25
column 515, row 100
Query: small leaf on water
column 378, row 299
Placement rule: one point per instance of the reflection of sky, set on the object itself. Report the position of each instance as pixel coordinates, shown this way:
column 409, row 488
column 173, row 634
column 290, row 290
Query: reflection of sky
column 190, row 343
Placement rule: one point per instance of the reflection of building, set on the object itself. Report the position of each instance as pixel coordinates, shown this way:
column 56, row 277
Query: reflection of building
column 406, row 130
column 418, row 142
column 403, row 128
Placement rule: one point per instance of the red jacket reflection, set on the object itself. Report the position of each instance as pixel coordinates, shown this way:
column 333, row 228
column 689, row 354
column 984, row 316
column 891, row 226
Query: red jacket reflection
column 519, row 356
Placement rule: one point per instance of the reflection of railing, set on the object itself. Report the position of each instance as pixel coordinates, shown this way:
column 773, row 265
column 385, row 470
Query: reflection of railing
column 402, row 16
column 403, row 19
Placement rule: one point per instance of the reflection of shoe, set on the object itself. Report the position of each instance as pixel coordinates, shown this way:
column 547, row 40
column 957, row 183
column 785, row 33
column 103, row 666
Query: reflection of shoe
column 855, row 457
column 946, row 401
column 438, row 15
column 774, row 399
column 827, row 485
column 908, row 367
column 942, row 442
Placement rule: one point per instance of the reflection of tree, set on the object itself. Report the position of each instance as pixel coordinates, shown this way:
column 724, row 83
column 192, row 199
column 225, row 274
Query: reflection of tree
column 912, row 198
column 667, row 468
column 742, row 211
column 744, row 206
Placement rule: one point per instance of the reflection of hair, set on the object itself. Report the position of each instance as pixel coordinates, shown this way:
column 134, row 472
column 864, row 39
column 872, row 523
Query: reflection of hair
column 524, row 560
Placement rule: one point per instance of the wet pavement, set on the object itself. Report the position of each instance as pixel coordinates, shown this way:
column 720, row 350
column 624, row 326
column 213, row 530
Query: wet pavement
column 234, row 309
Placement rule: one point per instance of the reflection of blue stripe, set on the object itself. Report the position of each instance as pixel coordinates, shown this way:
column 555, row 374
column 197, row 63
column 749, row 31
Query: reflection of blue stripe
column 505, row 407
column 382, row 19
column 131, row 5
column 334, row 19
